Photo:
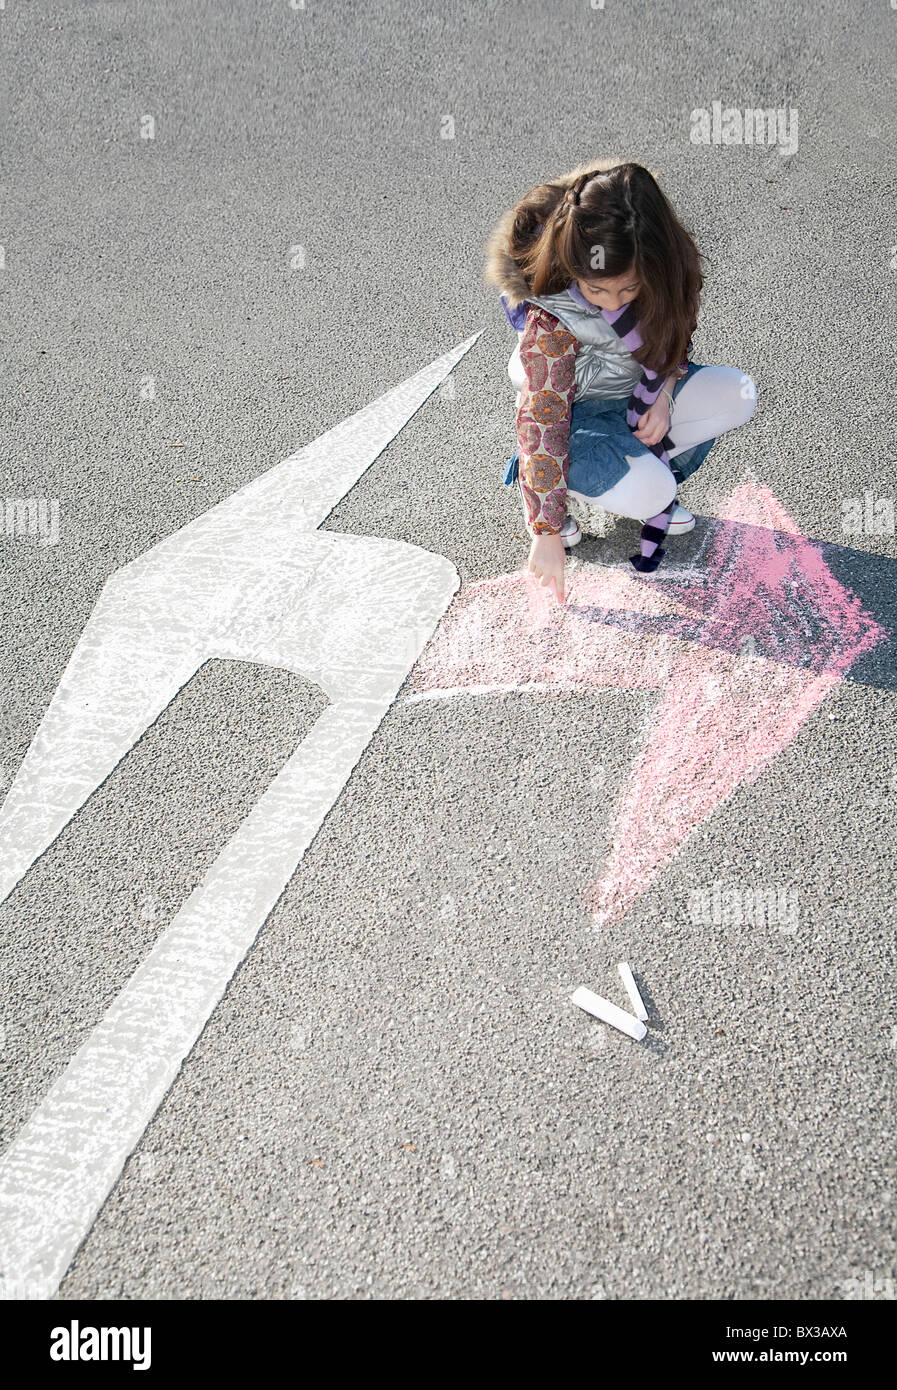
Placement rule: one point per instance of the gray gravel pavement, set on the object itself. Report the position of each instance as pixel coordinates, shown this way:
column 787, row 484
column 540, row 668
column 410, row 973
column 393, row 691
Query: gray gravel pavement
column 395, row 1099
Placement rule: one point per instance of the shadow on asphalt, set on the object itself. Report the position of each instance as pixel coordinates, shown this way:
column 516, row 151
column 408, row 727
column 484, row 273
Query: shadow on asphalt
column 752, row 582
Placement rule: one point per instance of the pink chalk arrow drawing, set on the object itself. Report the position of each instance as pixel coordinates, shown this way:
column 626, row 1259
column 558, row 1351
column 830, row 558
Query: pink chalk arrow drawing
column 742, row 652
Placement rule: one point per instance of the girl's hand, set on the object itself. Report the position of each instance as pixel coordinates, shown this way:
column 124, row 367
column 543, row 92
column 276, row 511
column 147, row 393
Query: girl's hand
column 546, row 561
column 655, row 422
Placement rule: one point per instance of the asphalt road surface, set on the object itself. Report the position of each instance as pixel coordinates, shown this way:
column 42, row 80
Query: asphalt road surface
column 226, row 228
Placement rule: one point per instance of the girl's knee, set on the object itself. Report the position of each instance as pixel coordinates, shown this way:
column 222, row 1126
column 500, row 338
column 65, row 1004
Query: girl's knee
column 725, row 394
column 738, row 397
column 748, row 396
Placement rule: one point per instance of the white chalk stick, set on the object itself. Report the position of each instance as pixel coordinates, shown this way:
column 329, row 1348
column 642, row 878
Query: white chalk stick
column 631, row 987
column 608, row 1013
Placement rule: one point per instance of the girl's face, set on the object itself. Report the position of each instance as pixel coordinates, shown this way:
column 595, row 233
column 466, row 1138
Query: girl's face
column 610, row 292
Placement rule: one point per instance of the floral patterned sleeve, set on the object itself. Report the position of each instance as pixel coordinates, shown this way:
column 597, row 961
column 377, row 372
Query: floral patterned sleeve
column 547, row 352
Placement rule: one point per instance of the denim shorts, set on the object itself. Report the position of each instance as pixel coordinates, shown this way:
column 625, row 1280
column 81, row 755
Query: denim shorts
column 600, row 440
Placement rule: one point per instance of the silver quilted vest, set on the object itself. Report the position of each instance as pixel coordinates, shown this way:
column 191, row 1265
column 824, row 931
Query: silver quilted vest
column 603, row 366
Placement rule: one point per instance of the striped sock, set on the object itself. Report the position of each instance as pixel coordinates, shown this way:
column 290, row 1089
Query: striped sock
column 651, row 550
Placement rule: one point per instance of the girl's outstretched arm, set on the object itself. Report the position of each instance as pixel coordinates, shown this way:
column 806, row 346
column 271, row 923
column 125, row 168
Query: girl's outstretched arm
column 547, row 354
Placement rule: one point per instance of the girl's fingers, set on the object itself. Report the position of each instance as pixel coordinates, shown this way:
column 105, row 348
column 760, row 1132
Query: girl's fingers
column 551, row 581
column 649, row 433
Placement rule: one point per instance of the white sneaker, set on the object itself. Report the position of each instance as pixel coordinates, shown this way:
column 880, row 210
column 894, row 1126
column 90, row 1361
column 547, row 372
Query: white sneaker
column 571, row 532
column 680, row 521
column 592, row 519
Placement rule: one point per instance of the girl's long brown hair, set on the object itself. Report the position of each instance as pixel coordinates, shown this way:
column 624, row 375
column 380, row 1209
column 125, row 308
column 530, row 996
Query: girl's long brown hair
column 557, row 231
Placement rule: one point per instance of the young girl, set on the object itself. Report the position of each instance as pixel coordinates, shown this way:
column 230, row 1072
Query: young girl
column 602, row 283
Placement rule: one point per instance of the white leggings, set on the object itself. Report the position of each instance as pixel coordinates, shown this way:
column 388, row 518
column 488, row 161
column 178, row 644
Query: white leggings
column 712, row 401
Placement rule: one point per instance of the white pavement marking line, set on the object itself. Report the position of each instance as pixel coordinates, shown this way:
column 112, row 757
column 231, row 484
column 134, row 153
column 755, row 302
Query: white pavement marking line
column 608, row 1013
column 249, row 580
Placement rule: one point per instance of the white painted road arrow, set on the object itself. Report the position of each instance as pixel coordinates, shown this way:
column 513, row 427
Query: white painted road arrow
column 250, row 580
